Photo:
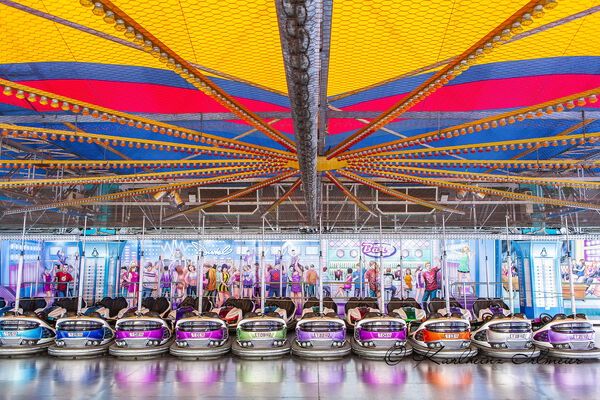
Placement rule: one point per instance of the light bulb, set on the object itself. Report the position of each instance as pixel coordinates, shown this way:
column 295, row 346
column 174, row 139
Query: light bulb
column 20, row 94
column 98, row 9
column 65, row 106
column 129, row 32
column 538, row 11
column 139, row 38
column 54, row 103
column 121, row 27
column 570, row 104
column 109, row 17
column 32, row 98
column 86, row 3
column 550, row 4
column 516, row 27
column 7, row 91
column 592, row 98
column 526, row 19
column 506, row 34
column 581, row 101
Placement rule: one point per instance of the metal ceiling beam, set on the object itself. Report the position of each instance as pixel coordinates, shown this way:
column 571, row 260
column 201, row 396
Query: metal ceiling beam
column 349, row 194
column 50, row 118
column 283, row 197
column 391, row 192
column 301, row 34
column 138, row 192
column 482, row 190
column 239, row 193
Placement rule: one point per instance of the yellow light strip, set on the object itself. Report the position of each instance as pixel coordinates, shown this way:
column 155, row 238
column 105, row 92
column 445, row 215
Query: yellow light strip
column 69, row 104
column 482, row 176
column 538, row 110
column 395, row 193
column 590, row 137
column 56, row 134
column 535, row 164
column 136, row 192
column 121, row 164
column 93, row 180
column 484, row 190
column 349, row 194
column 132, row 30
column 533, row 9
column 239, row 193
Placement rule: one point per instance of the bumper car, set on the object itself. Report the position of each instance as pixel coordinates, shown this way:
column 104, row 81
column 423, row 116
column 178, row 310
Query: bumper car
column 261, row 336
column 60, row 308
column 438, row 306
column 233, row 310
column 24, row 333
column 377, row 336
column 88, row 334
column 321, row 335
column 356, row 309
column 143, row 335
column 442, row 336
column 497, row 333
column 566, row 336
column 108, row 308
column 284, row 307
column 408, row 309
column 199, row 335
column 5, row 307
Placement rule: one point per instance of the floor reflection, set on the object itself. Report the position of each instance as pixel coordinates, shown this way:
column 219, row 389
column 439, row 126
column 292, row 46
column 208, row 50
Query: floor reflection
column 352, row 377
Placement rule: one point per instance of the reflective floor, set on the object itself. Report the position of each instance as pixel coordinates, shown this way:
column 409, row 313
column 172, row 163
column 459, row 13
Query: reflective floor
column 106, row 378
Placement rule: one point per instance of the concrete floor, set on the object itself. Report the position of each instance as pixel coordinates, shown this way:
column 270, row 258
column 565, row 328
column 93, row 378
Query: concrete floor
column 291, row 378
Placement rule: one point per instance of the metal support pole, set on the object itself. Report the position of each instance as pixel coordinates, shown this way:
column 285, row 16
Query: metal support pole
column 20, row 268
column 360, row 268
column 445, row 266
column 201, row 268
column 262, row 268
column 487, row 272
column 401, row 271
column 381, row 287
column 320, row 266
column 81, row 269
column 511, row 304
column 141, row 274
column 570, row 263
column 118, row 276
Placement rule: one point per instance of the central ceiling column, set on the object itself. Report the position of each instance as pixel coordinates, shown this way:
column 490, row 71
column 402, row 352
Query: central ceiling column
column 304, row 27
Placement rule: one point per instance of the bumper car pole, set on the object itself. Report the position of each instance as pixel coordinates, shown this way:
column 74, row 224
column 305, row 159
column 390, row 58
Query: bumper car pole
column 445, row 266
column 201, row 268
column 320, row 266
column 570, row 264
column 141, row 267
column 381, row 286
column 81, row 268
column 262, row 268
column 20, row 268
column 511, row 304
